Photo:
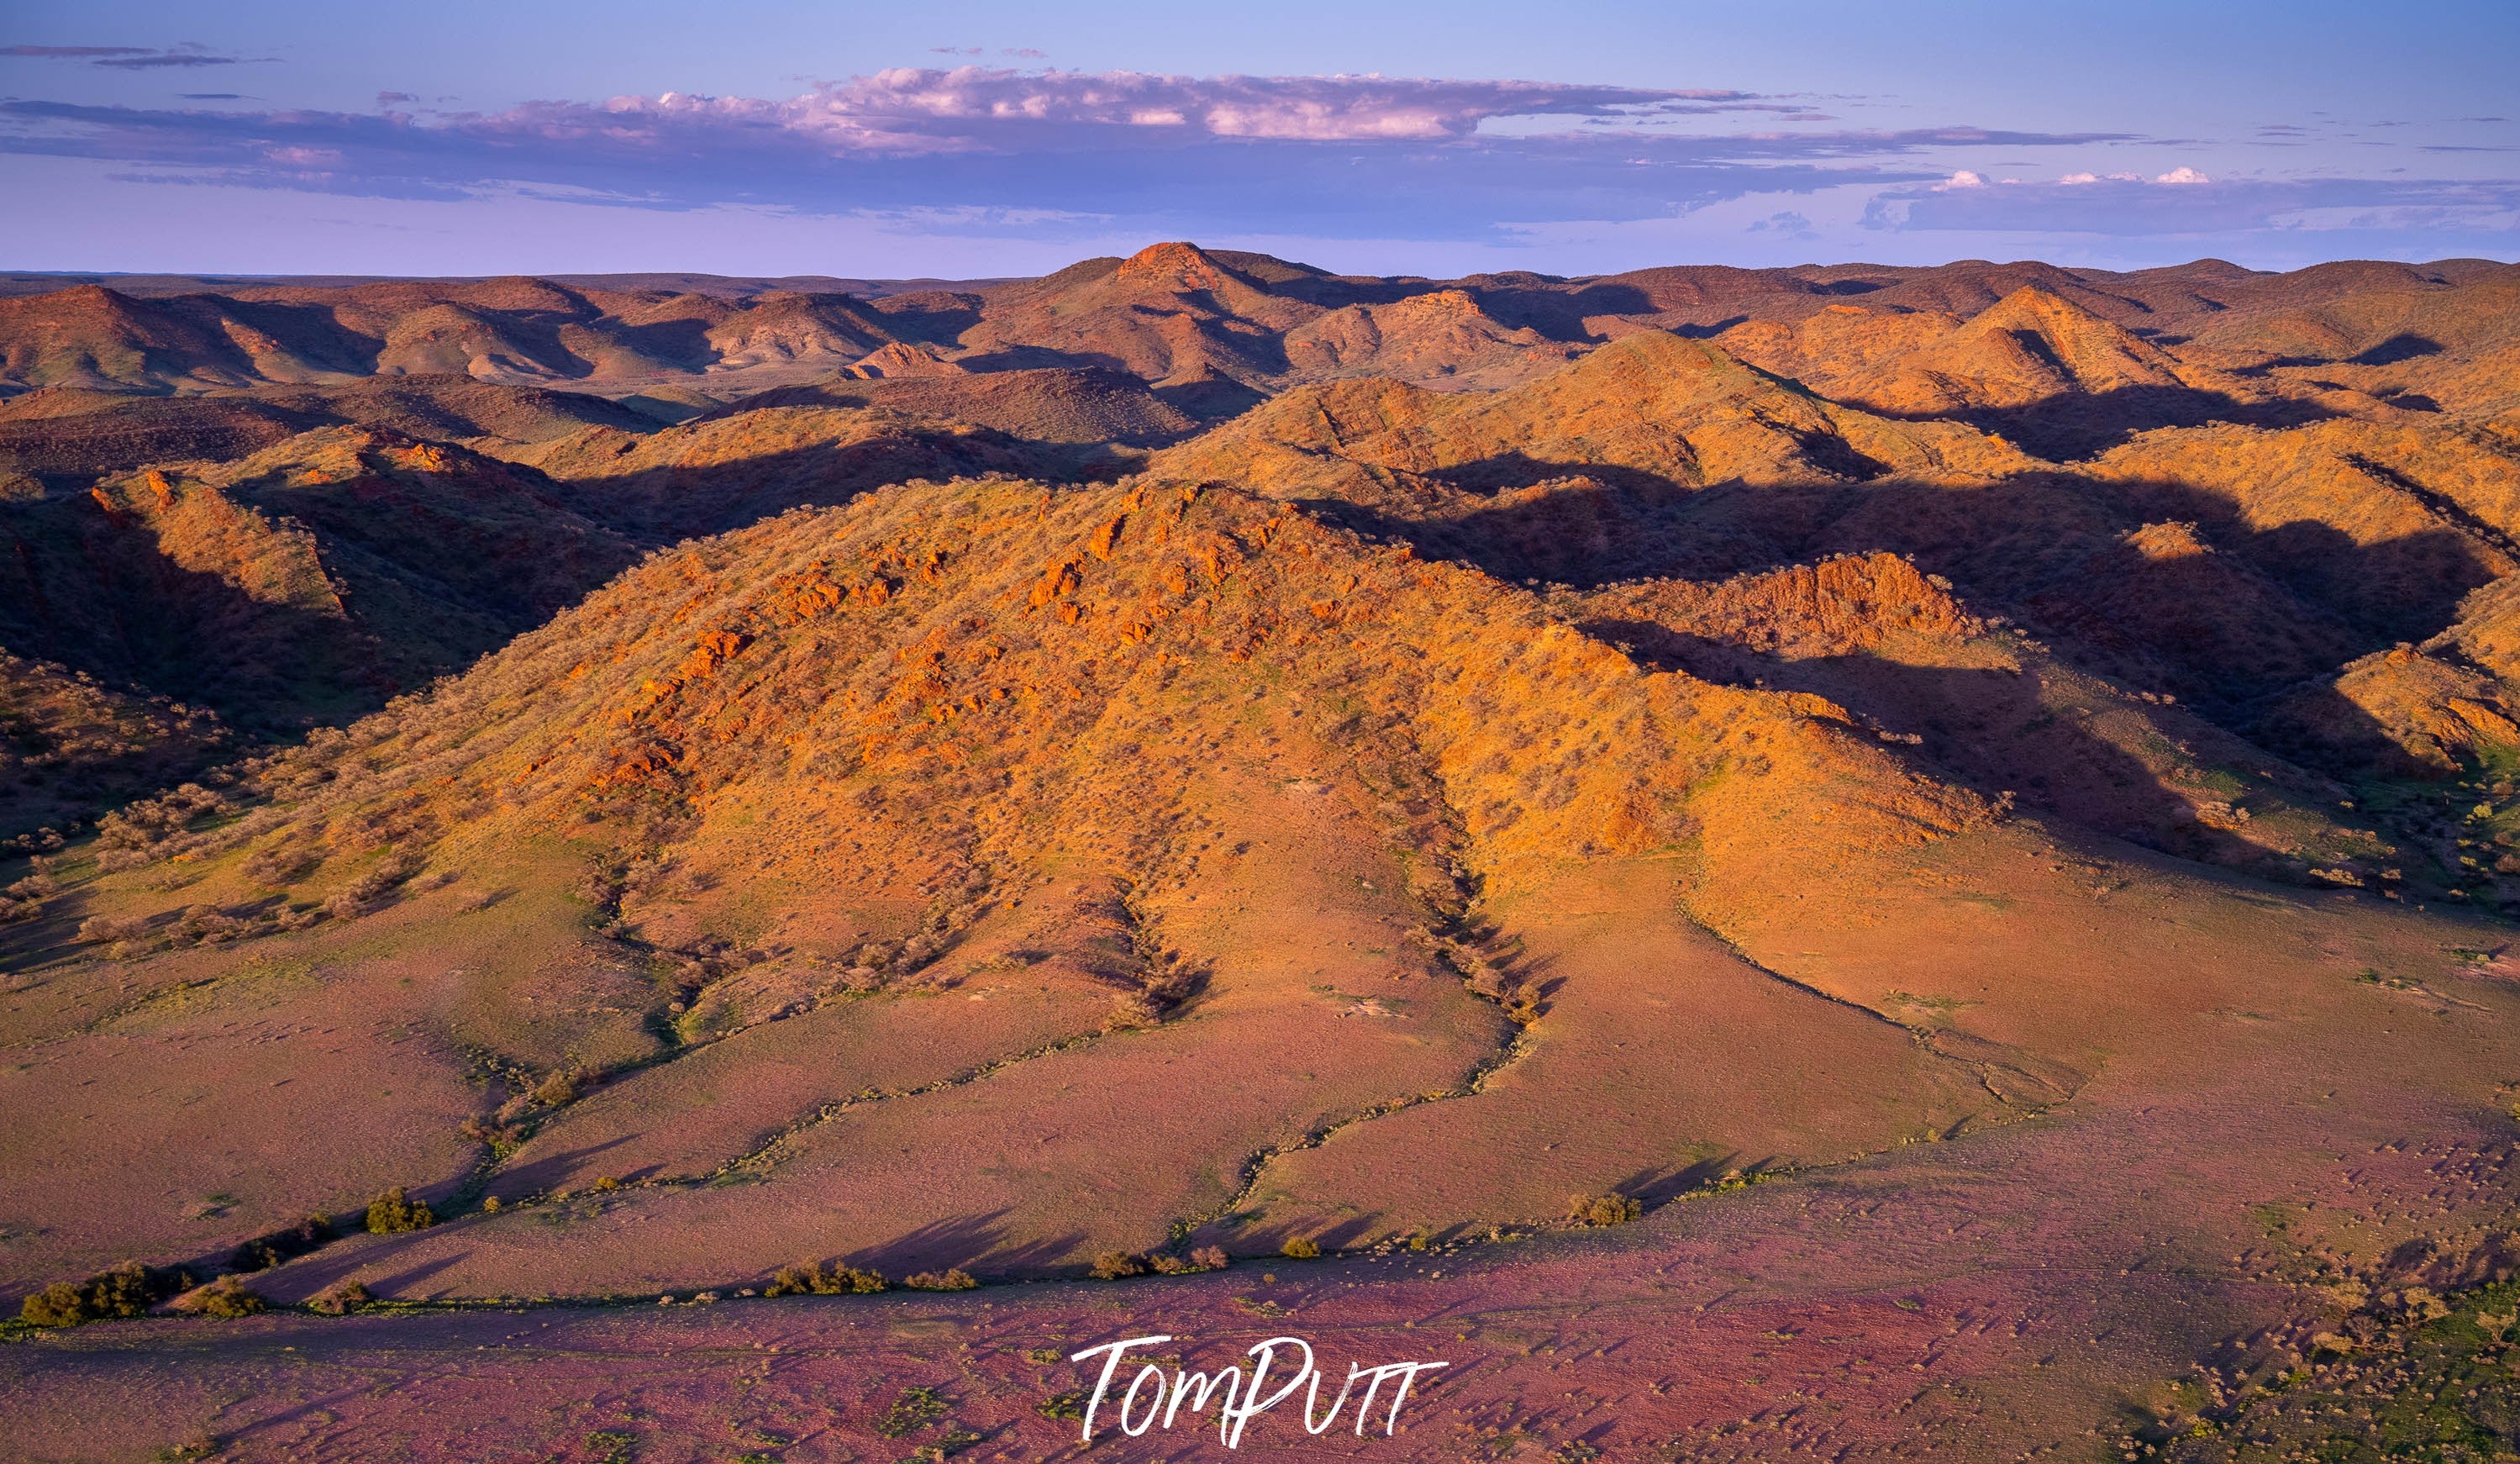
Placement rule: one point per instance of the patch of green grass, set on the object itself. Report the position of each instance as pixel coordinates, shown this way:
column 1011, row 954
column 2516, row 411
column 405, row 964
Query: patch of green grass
column 915, row 1409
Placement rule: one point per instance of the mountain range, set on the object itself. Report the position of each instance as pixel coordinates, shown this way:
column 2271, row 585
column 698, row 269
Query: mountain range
column 1200, row 757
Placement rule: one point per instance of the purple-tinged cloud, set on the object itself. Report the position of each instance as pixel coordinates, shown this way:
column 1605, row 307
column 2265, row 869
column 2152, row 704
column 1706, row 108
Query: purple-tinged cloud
column 678, row 142
column 131, row 57
column 915, row 110
column 1362, row 156
column 2185, row 202
column 73, row 53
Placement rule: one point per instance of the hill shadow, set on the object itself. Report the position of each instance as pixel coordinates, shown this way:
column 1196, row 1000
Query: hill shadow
column 928, row 317
column 1988, row 729
column 105, row 601
column 2051, row 550
column 2397, row 348
column 2004, row 544
column 1214, row 399
column 2076, row 425
column 1042, row 357
column 1557, row 312
column 682, row 344
column 976, row 1243
column 656, row 506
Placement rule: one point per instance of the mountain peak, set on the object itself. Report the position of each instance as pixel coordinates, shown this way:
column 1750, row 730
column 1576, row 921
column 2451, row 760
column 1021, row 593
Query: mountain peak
column 2083, row 351
column 1174, row 266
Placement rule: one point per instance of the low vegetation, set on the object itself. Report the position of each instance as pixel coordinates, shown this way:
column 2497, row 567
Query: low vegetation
column 341, row 1297
column 127, row 1290
column 395, row 1212
column 956, row 1279
column 264, row 1251
column 1115, row 1265
column 1604, row 1210
column 914, row 1409
column 226, row 1297
column 814, row 1278
column 2411, row 1375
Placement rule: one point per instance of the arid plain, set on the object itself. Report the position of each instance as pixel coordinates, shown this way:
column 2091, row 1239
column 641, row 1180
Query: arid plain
column 1832, row 864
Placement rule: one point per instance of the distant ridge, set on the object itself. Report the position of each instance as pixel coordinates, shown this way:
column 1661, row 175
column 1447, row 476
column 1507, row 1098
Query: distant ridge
column 733, row 287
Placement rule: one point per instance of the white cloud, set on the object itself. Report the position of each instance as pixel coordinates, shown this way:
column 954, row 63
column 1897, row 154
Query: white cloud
column 1962, row 179
column 925, row 110
column 2182, row 175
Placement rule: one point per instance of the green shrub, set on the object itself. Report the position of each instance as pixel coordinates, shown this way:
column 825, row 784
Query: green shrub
column 341, row 1297
column 1604, row 1210
column 1300, row 1248
column 1204, row 1259
column 227, row 1297
column 128, row 1290
column 810, row 1277
column 394, row 1213
column 957, row 1279
column 60, row 1305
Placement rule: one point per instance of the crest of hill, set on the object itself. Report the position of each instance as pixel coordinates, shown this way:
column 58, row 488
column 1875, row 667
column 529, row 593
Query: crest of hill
column 1649, row 408
column 68, row 434
column 2374, row 316
column 1440, row 337
column 1170, row 314
column 934, row 640
column 2034, row 367
column 1212, row 325
column 508, row 330
column 720, row 471
column 1075, row 404
column 97, row 338
column 1234, row 769
column 2027, row 346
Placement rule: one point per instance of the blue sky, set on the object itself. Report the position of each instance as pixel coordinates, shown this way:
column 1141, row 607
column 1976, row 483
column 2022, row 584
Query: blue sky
column 961, row 139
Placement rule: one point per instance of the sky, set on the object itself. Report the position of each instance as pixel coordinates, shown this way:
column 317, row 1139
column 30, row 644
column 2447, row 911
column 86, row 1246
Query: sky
column 972, row 138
